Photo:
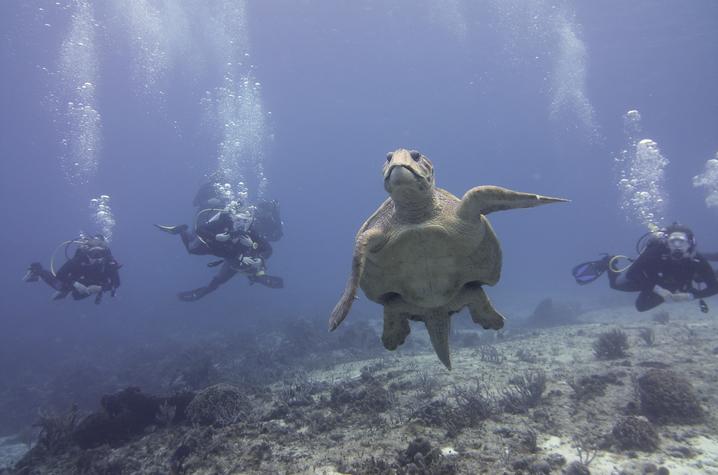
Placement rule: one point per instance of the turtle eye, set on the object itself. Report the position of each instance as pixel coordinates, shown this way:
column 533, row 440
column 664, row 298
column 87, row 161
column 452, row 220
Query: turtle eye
column 389, row 156
column 415, row 155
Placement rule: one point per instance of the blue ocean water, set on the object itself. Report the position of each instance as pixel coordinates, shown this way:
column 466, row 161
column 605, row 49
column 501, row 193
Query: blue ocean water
column 526, row 95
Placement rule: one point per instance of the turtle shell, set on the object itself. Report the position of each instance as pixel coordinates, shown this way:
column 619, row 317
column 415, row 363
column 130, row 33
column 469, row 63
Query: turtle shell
column 427, row 264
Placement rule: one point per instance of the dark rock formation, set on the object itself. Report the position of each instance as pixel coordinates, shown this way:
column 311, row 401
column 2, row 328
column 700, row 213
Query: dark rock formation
column 549, row 313
column 126, row 414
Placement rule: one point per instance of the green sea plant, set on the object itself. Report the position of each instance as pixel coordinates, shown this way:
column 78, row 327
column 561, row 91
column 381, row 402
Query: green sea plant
column 647, row 335
column 471, row 406
column 611, row 345
column 523, row 392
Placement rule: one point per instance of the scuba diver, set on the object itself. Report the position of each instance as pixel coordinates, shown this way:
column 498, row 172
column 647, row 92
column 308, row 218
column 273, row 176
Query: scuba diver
column 668, row 267
column 92, row 270
column 238, row 235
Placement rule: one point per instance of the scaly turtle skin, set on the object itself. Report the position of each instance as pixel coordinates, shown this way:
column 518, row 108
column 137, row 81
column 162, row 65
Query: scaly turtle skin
column 425, row 254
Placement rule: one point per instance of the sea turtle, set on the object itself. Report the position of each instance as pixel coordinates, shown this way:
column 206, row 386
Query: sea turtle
column 425, row 254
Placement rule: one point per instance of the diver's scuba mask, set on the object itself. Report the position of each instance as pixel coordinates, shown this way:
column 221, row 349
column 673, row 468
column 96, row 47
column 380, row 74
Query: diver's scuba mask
column 679, row 245
column 95, row 254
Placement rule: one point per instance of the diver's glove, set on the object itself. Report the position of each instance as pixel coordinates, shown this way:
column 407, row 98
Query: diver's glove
column 665, row 294
column 677, row 297
column 681, row 297
column 81, row 289
column 253, row 262
column 224, row 237
column 246, row 241
column 86, row 290
column 188, row 296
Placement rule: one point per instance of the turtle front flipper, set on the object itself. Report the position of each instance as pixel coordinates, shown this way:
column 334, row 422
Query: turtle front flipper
column 483, row 312
column 487, row 199
column 396, row 329
column 370, row 238
column 439, row 327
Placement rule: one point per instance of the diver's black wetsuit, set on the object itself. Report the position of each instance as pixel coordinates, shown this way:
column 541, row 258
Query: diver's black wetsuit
column 213, row 220
column 232, row 264
column 654, row 266
column 204, row 242
column 101, row 271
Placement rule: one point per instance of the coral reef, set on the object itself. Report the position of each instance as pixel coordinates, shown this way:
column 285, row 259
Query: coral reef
column 523, row 392
column 472, row 405
column 218, row 405
column 635, row 433
column 273, row 405
column 647, row 335
column 666, row 397
column 592, row 386
column 127, row 414
column 56, row 431
column 419, row 458
column 365, row 396
column 489, row 354
column 611, row 345
column 124, row 415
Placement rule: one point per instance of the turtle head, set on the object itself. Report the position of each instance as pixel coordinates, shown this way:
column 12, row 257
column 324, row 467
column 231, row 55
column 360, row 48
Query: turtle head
column 408, row 174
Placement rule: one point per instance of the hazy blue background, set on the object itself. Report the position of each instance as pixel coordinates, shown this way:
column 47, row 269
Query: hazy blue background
column 469, row 84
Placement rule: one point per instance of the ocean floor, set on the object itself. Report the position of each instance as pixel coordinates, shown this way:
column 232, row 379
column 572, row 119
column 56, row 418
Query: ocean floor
column 530, row 401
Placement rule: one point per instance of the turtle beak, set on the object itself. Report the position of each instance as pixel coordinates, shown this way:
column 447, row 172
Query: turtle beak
column 401, row 159
column 400, row 175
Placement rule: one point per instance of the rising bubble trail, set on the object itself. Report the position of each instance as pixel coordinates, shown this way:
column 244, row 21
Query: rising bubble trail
column 641, row 172
column 709, row 180
column 101, row 215
column 78, row 71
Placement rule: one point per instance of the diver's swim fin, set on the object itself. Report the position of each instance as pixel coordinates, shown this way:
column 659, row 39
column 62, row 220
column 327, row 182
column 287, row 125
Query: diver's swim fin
column 270, row 281
column 33, row 272
column 60, row 294
column 587, row 272
column 192, row 295
column 172, row 229
column 215, row 263
column 188, row 296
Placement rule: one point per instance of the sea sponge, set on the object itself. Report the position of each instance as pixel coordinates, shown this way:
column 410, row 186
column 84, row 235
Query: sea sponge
column 667, row 398
column 635, row 433
column 218, row 405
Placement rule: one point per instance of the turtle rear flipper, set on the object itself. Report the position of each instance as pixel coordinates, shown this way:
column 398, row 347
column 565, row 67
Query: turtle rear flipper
column 396, row 329
column 483, row 312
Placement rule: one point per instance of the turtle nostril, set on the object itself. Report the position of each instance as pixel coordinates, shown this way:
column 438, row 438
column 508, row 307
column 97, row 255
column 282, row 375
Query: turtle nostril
column 415, row 155
column 389, row 156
